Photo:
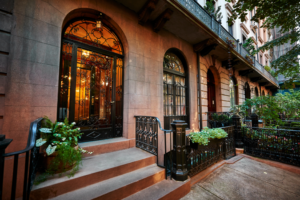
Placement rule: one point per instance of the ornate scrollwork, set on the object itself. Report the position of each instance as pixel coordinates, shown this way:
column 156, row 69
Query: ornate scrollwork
column 147, row 134
column 86, row 31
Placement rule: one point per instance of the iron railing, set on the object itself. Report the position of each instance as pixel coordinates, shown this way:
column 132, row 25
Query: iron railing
column 147, row 139
column 218, row 119
column 200, row 157
column 199, row 12
column 280, row 145
column 31, row 160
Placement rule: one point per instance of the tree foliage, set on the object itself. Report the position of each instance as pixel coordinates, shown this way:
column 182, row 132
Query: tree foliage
column 269, row 107
column 248, row 45
column 210, row 8
column 283, row 14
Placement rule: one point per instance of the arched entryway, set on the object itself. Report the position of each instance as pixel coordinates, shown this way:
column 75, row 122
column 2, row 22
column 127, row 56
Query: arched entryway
column 211, row 92
column 91, row 79
column 256, row 92
column 247, row 94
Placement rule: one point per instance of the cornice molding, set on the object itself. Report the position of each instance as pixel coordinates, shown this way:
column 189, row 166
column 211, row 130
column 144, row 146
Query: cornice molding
column 243, row 26
column 260, row 39
column 254, row 40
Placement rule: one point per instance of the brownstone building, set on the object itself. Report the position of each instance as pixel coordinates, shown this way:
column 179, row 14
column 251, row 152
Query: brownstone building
column 102, row 62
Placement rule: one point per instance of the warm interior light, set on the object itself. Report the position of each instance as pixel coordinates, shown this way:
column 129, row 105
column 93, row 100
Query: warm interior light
column 99, row 21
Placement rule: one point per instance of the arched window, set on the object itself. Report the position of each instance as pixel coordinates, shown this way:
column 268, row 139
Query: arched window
column 175, row 88
column 233, row 92
column 91, row 80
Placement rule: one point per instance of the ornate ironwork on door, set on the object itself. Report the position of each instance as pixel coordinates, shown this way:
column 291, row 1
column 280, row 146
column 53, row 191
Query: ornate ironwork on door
column 91, row 80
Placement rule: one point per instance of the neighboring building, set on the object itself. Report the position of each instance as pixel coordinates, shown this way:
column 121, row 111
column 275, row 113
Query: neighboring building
column 102, row 62
column 278, row 51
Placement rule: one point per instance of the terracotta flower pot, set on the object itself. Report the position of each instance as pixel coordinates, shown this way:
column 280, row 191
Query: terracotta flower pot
column 61, row 168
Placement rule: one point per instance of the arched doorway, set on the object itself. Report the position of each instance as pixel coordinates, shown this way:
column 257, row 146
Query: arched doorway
column 175, row 88
column 211, row 92
column 256, row 92
column 263, row 93
column 91, row 79
column 247, row 95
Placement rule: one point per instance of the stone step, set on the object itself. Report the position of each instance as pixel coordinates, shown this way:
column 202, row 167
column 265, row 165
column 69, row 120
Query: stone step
column 106, row 146
column 118, row 187
column 166, row 189
column 95, row 169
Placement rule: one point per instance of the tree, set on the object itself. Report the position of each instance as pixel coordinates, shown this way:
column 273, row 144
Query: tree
column 248, row 45
column 283, row 14
column 210, row 8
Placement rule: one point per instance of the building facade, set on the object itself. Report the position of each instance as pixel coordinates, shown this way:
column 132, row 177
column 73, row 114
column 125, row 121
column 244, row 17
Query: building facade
column 100, row 63
column 148, row 55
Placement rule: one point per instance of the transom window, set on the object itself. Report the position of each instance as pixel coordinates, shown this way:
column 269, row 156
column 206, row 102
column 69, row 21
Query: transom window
column 85, row 31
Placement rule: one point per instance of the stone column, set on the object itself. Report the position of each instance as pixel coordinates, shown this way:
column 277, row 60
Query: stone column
column 179, row 168
column 237, row 131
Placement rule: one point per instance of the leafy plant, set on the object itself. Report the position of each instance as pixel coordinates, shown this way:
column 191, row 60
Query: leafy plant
column 249, row 59
column 249, row 46
column 210, row 8
column 60, row 138
column 230, row 42
column 206, row 134
column 267, row 68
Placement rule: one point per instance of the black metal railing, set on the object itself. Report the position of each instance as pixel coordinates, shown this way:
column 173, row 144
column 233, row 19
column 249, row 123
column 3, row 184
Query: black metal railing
column 200, row 157
column 218, row 119
column 282, row 145
column 31, row 160
column 147, row 139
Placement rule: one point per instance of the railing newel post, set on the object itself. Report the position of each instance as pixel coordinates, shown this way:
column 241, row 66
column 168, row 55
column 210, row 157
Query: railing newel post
column 3, row 145
column 237, row 131
column 179, row 169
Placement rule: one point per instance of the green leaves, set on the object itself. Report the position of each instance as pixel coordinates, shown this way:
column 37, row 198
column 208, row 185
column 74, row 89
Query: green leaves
column 40, row 142
column 50, row 150
column 283, row 14
column 203, row 136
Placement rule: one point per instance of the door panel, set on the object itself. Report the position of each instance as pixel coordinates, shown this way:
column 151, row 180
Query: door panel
column 91, row 92
column 211, row 96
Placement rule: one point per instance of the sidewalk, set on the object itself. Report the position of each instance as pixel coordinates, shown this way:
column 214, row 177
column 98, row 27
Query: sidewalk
column 247, row 179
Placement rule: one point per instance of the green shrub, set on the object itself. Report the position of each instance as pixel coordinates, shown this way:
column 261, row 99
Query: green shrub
column 206, row 134
column 267, row 68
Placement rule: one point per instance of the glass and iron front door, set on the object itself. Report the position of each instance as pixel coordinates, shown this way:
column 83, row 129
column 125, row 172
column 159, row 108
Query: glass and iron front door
column 91, row 92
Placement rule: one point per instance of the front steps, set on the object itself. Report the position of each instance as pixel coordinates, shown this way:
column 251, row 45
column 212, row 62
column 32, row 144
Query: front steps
column 95, row 169
column 130, row 173
column 106, row 146
column 119, row 187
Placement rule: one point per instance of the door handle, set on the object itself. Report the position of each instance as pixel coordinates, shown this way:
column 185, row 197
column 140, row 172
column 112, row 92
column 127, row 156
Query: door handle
column 112, row 102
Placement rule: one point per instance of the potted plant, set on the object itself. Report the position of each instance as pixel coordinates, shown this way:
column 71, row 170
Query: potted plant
column 230, row 42
column 205, row 136
column 249, row 59
column 62, row 152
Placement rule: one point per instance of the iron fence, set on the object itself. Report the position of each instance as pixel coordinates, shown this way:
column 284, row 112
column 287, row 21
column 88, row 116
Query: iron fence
column 281, row 145
column 200, row 157
column 218, row 119
column 147, row 139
